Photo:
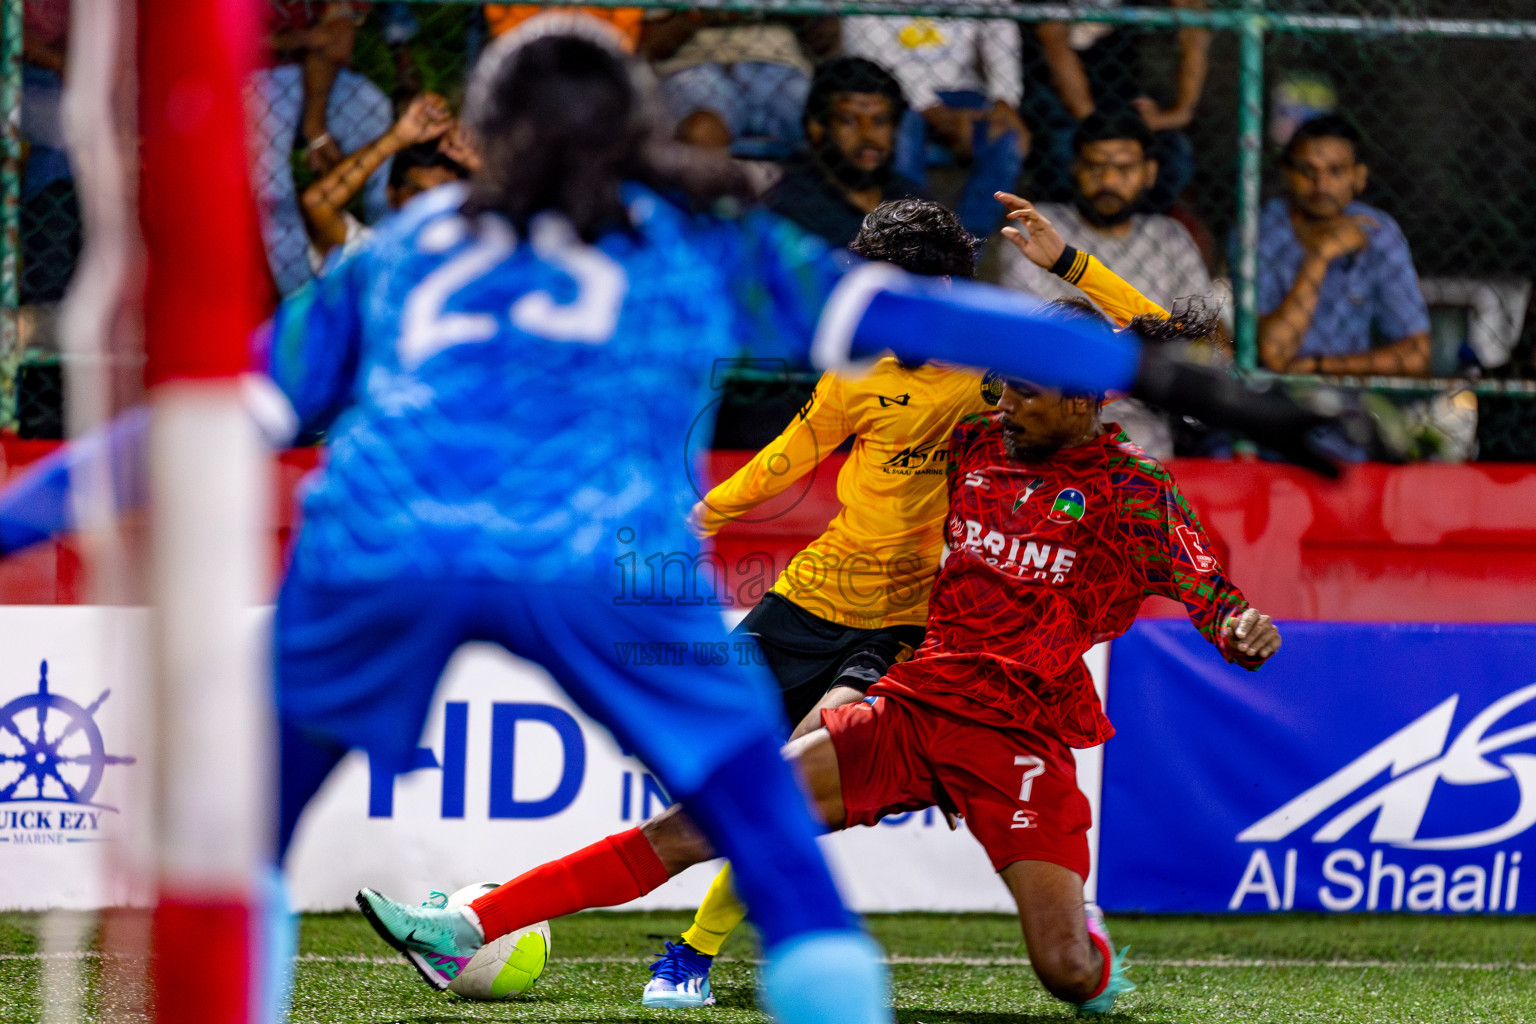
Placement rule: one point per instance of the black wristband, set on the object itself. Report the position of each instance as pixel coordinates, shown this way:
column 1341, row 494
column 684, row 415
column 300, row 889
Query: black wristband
column 1069, row 266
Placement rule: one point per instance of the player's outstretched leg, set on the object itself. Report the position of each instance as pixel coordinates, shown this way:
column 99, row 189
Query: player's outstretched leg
column 1067, row 941
column 819, row 969
column 680, row 975
column 1116, row 984
column 437, row 942
column 609, row 873
column 718, row 752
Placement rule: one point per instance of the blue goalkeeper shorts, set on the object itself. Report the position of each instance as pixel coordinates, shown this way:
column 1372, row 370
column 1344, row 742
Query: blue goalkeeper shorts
column 357, row 664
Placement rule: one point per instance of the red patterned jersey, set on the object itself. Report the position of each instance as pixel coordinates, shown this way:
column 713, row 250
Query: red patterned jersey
column 1045, row 559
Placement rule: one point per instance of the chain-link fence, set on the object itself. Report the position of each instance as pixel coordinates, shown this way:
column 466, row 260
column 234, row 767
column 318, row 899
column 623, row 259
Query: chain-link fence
column 1348, row 179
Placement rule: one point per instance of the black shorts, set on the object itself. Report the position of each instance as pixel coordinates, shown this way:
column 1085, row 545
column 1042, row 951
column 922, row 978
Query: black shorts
column 809, row 655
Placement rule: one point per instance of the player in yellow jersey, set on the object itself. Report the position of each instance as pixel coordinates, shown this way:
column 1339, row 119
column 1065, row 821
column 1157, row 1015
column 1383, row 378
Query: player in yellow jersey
column 854, row 601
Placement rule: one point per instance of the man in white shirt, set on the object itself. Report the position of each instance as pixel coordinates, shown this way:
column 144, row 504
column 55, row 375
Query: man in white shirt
column 929, row 56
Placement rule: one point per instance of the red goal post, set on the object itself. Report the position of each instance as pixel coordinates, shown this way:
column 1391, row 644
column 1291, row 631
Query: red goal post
column 204, row 295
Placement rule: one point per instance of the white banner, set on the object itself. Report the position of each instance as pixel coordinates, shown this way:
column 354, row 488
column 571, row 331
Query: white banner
column 73, row 776
column 510, row 775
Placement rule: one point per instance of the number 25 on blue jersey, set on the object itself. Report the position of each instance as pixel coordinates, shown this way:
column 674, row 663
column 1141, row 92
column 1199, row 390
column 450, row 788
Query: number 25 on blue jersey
column 428, row 328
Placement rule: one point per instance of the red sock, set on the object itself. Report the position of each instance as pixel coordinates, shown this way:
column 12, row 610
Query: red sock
column 608, row 873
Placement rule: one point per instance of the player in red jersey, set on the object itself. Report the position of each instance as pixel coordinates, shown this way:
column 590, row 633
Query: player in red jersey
column 1059, row 526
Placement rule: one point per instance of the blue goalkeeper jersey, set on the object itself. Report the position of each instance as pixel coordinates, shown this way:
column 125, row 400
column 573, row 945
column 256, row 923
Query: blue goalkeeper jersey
column 526, row 409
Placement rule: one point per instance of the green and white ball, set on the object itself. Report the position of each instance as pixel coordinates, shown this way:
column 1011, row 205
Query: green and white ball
column 503, row 967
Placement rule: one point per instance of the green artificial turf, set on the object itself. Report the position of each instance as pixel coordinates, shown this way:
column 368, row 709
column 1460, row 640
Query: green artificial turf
column 1333, row 970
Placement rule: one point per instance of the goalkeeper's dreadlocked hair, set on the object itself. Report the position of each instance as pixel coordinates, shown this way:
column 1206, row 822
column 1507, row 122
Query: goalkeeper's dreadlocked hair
column 1190, row 319
column 918, row 236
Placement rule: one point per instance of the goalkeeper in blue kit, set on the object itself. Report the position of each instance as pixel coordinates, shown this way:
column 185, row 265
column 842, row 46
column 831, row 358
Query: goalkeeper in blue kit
column 507, row 373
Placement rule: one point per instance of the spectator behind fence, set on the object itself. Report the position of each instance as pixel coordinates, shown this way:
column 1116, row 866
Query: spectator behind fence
column 1036, row 241
column 1334, row 273
column 308, row 93
column 734, row 84
column 963, row 80
column 1074, row 69
column 44, row 40
column 1113, row 174
column 49, row 218
column 846, row 169
column 424, row 149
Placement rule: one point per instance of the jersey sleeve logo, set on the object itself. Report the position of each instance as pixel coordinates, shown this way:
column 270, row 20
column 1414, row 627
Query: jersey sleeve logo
column 1068, row 507
column 1034, row 484
column 955, row 530
column 992, row 387
column 1189, row 538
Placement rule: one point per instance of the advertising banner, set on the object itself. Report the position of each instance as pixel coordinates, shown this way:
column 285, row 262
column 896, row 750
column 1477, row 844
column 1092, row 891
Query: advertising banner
column 512, row 774
column 508, row 774
column 1368, row 767
column 74, row 784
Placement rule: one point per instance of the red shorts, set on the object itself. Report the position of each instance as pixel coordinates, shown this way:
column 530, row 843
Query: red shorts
column 1016, row 789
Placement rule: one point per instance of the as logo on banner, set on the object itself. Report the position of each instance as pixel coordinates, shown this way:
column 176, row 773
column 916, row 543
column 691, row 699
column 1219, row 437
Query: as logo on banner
column 52, row 761
column 1423, row 762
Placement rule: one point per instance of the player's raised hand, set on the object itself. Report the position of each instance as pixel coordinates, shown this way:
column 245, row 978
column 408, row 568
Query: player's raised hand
column 1253, row 634
column 1040, row 242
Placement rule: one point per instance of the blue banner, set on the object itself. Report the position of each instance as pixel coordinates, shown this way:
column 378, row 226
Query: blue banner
column 1367, row 767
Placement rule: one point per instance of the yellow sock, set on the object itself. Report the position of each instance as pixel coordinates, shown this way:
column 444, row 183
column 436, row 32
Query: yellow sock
column 717, row 916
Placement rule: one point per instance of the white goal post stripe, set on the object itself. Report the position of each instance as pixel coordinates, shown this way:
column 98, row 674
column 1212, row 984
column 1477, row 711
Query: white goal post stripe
column 208, row 472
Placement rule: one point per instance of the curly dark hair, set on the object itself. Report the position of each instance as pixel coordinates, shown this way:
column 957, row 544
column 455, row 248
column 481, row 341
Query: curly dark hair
column 1191, row 319
column 851, row 74
column 563, row 117
column 1080, row 306
column 918, row 236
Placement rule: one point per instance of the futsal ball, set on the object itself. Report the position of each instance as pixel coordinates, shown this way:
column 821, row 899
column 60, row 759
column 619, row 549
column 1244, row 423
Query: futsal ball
column 504, row 967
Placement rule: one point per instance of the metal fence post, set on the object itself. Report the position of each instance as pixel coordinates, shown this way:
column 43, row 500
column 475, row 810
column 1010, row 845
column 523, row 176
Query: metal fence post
column 10, row 205
column 1250, row 150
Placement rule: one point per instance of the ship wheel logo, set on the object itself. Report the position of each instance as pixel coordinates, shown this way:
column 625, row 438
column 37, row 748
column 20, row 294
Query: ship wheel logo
column 51, row 749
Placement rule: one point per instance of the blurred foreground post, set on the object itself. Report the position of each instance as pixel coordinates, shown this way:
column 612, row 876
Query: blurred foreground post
column 208, row 500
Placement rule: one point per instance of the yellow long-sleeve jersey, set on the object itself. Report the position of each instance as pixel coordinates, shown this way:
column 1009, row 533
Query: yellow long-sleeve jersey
column 875, row 563
column 1105, row 287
